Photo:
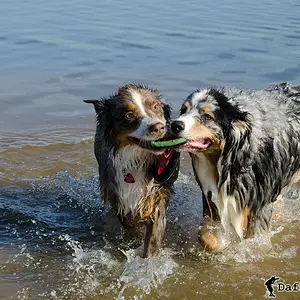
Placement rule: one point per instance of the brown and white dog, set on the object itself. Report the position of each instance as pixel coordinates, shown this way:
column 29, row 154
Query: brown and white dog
column 136, row 180
column 245, row 151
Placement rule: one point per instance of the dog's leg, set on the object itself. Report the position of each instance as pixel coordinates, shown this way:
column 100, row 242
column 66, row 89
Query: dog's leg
column 248, row 223
column 211, row 225
column 208, row 235
column 278, row 204
column 127, row 221
column 155, row 230
column 132, row 235
column 259, row 222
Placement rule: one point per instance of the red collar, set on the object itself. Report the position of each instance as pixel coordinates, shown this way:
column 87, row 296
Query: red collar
column 164, row 160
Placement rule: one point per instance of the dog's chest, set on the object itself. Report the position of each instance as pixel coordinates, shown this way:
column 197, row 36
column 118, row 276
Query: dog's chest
column 131, row 178
column 227, row 205
column 206, row 174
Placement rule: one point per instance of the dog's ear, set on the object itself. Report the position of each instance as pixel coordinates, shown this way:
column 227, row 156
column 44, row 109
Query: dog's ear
column 235, row 148
column 167, row 112
column 99, row 105
column 102, row 111
column 240, row 128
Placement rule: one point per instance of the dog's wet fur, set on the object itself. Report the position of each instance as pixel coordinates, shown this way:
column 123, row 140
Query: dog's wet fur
column 245, row 152
column 128, row 172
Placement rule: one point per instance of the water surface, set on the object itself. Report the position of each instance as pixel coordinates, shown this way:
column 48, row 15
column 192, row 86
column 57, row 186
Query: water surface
column 57, row 240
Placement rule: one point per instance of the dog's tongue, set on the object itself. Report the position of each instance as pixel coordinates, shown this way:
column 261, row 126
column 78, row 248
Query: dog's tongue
column 201, row 144
column 164, row 160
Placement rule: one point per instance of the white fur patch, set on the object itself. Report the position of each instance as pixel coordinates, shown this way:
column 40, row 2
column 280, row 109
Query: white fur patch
column 137, row 99
column 205, row 171
column 188, row 121
column 133, row 160
column 198, row 96
column 142, row 131
column 226, row 205
column 147, row 120
column 232, row 215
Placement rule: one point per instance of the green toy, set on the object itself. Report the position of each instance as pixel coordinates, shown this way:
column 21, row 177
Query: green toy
column 169, row 143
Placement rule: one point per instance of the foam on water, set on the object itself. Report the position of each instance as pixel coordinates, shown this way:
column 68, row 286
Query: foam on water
column 86, row 270
column 90, row 272
column 146, row 274
column 250, row 250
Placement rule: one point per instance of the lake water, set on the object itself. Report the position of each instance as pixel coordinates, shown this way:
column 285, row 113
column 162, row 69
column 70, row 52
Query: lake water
column 57, row 240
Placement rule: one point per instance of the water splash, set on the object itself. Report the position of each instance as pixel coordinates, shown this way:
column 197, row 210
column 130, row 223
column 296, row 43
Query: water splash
column 250, row 250
column 74, row 248
column 145, row 274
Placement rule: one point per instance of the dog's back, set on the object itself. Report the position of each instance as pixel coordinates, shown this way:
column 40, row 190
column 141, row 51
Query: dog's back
column 274, row 142
column 269, row 161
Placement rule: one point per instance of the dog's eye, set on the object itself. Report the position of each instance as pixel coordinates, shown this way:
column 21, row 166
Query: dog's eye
column 207, row 117
column 156, row 107
column 183, row 109
column 129, row 115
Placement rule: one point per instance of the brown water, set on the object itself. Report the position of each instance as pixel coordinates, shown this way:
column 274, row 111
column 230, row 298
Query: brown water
column 57, row 240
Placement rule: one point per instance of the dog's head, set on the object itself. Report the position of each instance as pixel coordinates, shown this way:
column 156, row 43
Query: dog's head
column 136, row 114
column 207, row 120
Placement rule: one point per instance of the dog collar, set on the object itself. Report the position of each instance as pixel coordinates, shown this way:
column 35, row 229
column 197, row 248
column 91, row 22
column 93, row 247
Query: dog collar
column 166, row 172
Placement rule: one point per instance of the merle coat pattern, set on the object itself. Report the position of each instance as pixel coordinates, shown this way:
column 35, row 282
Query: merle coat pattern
column 245, row 151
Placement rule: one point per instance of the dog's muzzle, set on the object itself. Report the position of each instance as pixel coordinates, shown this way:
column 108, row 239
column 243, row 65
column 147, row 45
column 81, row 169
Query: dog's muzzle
column 177, row 126
column 158, row 129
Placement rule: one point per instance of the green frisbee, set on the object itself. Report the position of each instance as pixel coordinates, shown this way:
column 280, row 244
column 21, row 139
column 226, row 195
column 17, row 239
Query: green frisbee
column 169, row 143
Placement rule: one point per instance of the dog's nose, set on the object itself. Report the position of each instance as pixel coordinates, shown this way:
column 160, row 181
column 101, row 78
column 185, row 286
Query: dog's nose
column 157, row 128
column 177, row 126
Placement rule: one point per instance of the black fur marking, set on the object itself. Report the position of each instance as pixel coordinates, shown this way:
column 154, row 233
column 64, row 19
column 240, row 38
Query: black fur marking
column 227, row 112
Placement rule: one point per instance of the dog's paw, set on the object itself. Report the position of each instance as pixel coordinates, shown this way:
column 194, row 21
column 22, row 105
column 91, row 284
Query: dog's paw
column 209, row 240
